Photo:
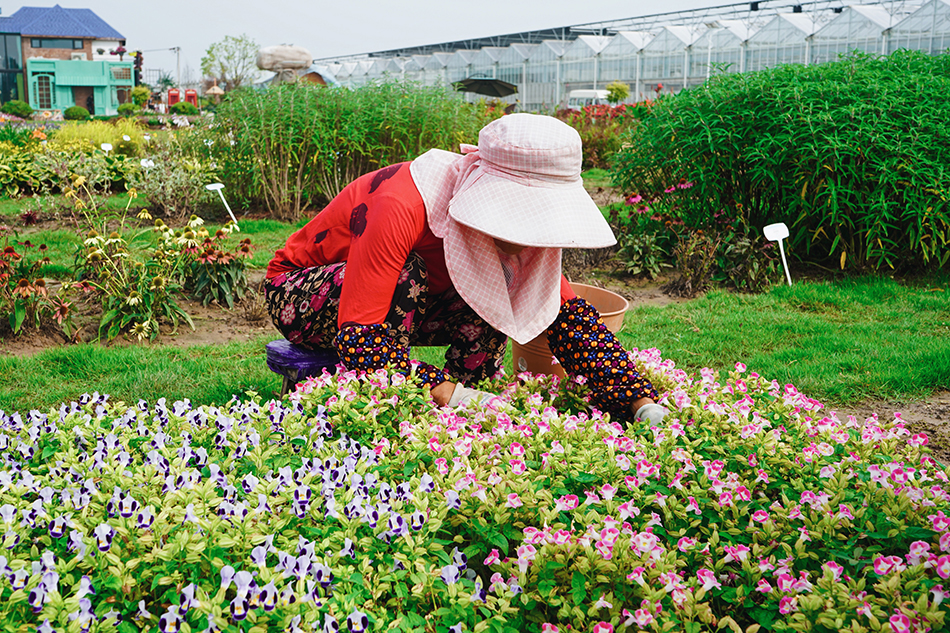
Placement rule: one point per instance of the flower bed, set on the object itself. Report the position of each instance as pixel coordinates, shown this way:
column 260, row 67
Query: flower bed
column 359, row 506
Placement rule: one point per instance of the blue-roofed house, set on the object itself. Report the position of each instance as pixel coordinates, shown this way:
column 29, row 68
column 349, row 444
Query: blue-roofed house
column 65, row 57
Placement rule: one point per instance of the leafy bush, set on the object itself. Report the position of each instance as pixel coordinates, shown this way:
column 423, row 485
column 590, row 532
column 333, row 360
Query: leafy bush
column 748, row 264
column 184, row 108
column 601, row 129
column 617, row 91
column 135, row 281
column 214, row 274
column 172, row 179
column 360, row 502
column 25, row 301
column 140, row 95
column 76, row 113
column 16, row 136
column 824, row 148
column 695, row 257
column 642, row 254
column 127, row 109
column 90, row 135
column 297, row 145
column 18, row 108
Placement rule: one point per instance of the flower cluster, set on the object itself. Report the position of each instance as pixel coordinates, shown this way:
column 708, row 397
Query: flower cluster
column 358, row 504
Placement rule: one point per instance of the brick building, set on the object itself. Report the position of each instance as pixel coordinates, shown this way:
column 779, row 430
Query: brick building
column 55, row 58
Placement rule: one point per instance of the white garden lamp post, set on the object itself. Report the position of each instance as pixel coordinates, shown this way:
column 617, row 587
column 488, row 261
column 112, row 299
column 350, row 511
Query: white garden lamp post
column 217, row 186
column 776, row 233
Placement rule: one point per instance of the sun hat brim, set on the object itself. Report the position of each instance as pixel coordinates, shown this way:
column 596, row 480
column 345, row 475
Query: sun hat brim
column 531, row 214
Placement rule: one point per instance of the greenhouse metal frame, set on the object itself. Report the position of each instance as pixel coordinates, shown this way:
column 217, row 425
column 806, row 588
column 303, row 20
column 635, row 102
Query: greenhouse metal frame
column 660, row 53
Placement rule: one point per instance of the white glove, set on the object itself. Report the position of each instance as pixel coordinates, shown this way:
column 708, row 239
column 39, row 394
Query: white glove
column 464, row 395
column 652, row 413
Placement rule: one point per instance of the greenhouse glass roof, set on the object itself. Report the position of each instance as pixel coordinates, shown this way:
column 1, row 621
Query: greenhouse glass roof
column 626, row 43
column 585, row 46
column 549, row 50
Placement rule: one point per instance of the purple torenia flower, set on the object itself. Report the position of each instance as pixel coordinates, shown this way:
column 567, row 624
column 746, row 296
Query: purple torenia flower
column 450, row 574
column 104, row 534
column 357, row 622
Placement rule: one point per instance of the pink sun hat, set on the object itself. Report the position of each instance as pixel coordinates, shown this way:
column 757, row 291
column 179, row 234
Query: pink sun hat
column 527, row 187
column 521, row 184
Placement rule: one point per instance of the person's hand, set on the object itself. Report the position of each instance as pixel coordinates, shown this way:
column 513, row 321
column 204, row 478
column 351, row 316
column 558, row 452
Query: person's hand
column 652, row 413
column 464, row 395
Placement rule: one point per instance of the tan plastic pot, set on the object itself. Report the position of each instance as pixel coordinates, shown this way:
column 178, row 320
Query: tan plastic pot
column 535, row 355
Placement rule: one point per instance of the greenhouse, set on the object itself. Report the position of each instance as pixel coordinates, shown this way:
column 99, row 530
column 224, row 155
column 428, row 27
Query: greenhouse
column 927, row 29
column 579, row 64
column 784, row 40
column 674, row 50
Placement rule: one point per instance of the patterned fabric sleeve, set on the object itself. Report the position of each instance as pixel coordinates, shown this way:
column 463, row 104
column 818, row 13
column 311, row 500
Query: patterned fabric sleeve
column 584, row 346
column 370, row 347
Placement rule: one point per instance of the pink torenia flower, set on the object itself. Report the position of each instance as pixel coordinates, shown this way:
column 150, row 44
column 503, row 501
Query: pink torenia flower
column 642, row 617
column 686, row 543
column 518, row 467
column 708, row 579
column 835, row 569
column 763, row 586
column 900, row 623
column 567, row 502
column 516, row 449
column 492, row 558
column 760, row 515
column 940, row 522
column 788, row 604
column 603, row 627
column 514, row 501
column 608, row 491
column 637, row 576
column 725, row 499
column 547, row 627
column 942, row 567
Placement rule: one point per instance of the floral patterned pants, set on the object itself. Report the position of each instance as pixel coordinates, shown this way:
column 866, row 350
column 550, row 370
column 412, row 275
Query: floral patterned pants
column 304, row 305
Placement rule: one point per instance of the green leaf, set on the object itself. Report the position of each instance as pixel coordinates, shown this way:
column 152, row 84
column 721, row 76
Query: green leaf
column 578, row 590
column 545, row 587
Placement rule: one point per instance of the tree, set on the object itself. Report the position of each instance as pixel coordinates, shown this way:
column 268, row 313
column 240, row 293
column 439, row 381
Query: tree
column 232, row 61
column 617, row 91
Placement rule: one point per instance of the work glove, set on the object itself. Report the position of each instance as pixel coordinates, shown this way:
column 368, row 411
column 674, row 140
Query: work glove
column 464, row 395
column 652, row 413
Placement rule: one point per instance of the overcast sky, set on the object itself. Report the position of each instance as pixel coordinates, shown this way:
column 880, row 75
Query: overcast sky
column 343, row 27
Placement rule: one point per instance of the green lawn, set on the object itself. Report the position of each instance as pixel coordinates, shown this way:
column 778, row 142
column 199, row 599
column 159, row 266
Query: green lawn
column 840, row 342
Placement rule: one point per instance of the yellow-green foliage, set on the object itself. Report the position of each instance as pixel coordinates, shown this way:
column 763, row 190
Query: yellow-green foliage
column 88, row 135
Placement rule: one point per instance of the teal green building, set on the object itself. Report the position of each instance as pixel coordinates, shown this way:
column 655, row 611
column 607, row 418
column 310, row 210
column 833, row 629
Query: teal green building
column 56, row 84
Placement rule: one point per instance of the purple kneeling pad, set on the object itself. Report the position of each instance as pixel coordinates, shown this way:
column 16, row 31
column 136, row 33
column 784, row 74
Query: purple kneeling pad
column 296, row 363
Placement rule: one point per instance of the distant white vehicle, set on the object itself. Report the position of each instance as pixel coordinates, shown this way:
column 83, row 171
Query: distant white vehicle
column 578, row 99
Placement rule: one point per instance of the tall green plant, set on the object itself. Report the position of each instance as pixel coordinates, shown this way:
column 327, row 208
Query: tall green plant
column 295, row 145
column 853, row 155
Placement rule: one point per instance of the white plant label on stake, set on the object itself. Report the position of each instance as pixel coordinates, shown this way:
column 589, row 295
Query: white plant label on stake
column 217, row 186
column 776, row 233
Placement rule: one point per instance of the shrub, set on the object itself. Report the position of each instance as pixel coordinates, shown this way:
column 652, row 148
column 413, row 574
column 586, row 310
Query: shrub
column 172, row 179
column 140, row 95
column 358, row 501
column 92, row 134
column 617, row 91
column 127, row 109
column 18, row 108
column 25, row 301
column 136, row 282
column 214, row 274
column 601, row 129
column 824, row 148
column 184, row 108
column 695, row 257
column 296, row 145
column 76, row 113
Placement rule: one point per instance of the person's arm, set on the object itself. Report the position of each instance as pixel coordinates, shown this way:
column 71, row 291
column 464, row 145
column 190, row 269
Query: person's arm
column 383, row 236
column 585, row 346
